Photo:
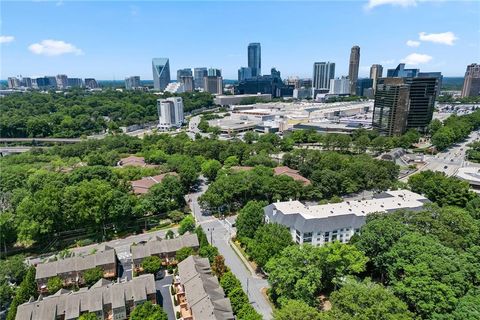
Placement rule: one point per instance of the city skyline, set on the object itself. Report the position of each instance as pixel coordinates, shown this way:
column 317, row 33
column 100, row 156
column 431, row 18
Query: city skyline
column 109, row 46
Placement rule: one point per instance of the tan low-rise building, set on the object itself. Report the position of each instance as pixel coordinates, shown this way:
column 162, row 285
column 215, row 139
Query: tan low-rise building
column 107, row 300
column 199, row 293
column 165, row 249
column 71, row 270
column 143, row 185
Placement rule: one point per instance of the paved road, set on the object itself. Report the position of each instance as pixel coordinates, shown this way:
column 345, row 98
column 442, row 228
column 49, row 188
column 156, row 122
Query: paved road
column 163, row 286
column 449, row 161
column 218, row 233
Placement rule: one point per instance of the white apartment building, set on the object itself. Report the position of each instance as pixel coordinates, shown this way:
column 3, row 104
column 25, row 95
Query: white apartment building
column 170, row 113
column 340, row 86
column 320, row 224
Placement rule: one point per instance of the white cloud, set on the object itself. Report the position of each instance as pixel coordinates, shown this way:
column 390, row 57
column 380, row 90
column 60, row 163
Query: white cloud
column 54, row 48
column 413, row 43
column 6, row 39
column 443, row 38
column 387, row 62
column 417, row 58
column 401, row 3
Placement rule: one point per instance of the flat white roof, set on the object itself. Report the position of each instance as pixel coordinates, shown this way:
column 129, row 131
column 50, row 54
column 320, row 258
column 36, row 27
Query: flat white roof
column 471, row 174
column 400, row 199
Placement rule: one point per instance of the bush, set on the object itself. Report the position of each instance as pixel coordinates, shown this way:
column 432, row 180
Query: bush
column 179, row 315
column 151, row 264
column 187, row 224
column 92, row 275
column 54, row 284
column 184, row 253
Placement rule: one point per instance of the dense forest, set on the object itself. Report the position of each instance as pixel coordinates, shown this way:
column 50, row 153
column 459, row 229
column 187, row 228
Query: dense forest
column 74, row 113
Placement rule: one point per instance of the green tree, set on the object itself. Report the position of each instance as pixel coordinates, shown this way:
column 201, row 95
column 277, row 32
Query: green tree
column 250, row 218
column 231, row 161
column 238, row 299
column 151, row 264
column 366, row 300
column 187, row 225
column 184, row 253
column 295, row 310
column 148, row 311
column 88, row 316
column 165, row 196
column 209, row 252
column 54, row 284
column 27, row 289
column 229, row 282
column 176, row 215
column 247, row 312
column 91, row 276
column 269, row 240
column 169, row 234
column 210, row 169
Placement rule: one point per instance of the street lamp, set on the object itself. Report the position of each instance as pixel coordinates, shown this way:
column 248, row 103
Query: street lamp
column 211, row 234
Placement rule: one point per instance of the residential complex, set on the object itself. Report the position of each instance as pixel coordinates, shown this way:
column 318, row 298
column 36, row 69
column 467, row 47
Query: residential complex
column 107, row 300
column 320, row 224
column 165, row 249
column 170, row 113
column 353, row 68
column 161, row 73
column 71, row 270
column 471, row 82
column 143, row 185
column 199, row 293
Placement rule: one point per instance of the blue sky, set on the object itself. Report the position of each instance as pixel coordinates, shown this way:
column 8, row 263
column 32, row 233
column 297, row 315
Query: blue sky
column 115, row 39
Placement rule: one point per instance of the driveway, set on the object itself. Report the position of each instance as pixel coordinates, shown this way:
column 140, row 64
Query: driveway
column 163, row 287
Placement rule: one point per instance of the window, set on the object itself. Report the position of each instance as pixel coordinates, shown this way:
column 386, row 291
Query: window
column 307, row 237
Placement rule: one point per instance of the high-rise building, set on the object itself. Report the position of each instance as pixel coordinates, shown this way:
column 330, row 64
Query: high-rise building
column 13, row 82
column 183, row 73
column 132, row 83
column 244, row 73
column 213, row 84
column 323, row 72
column 161, row 73
column 353, row 68
column 46, row 83
column 267, row 84
column 340, row 86
column 255, row 59
column 170, row 113
column 212, row 72
column 188, row 83
column 401, row 72
column 75, row 82
column 26, row 82
column 394, row 114
column 91, row 83
column 391, row 106
column 362, row 85
column 471, row 82
column 62, row 81
column 198, row 75
column 423, row 92
column 376, row 72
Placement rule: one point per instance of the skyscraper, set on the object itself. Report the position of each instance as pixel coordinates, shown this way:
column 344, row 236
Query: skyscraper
column 244, row 73
column 170, row 112
column 213, row 84
column 362, row 85
column 391, row 106
column 62, row 81
column 131, row 83
column 401, row 72
column 198, row 75
column 255, row 59
column 353, row 68
column 212, row 72
column 323, row 72
column 183, row 73
column 376, row 72
column 90, row 83
column 161, row 73
column 188, row 83
column 471, row 82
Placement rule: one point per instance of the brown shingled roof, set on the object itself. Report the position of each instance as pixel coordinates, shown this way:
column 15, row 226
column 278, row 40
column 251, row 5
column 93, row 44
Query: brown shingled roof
column 291, row 173
column 143, row 185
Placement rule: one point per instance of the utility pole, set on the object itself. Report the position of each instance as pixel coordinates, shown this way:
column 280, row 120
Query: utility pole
column 248, row 294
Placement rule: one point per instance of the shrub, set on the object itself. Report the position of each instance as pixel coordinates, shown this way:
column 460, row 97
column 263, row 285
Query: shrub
column 151, row 264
